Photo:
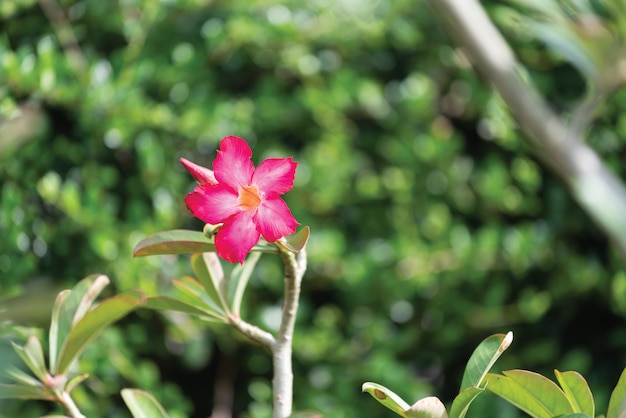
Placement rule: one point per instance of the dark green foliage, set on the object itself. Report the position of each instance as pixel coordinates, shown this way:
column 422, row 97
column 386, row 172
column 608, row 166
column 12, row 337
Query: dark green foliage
column 431, row 224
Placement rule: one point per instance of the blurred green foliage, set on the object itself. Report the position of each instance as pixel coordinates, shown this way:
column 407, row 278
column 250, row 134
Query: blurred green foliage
column 432, row 224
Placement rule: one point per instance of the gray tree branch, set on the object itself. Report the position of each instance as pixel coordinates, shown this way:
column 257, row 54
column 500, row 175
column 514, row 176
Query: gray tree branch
column 597, row 189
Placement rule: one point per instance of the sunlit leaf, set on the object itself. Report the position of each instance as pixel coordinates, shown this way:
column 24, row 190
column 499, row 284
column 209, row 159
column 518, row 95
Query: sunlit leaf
column 463, row 400
column 192, row 292
column 93, row 323
column 177, row 241
column 617, row 403
column 75, row 381
column 296, row 242
column 386, row 397
column 208, row 271
column 32, row 354
column 238, row 281
column 577, row 391
column 531, row 392
column 8, row 391
column 430, row 407
column 166, row 303
column 483, row 358
column 142, row 404
column 69, row 307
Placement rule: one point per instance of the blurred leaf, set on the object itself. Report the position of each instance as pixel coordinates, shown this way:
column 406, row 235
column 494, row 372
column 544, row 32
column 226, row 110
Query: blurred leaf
column 531, row 392
column 69, row 308
column 430, row 407
column 75, row 381
column 94, row 322
column 24, row 392
column 177, row 241
column 32, row 354
column 238, row 281
column 23, row 378
column 296, row 242
column 577, row 391
column 386, row 397
column 463, row 400
column 483, row 358
column 617, row 403
column 575, row 415
column 209, row 273
column 142, row 404
column 166, row 303
column 192, row 292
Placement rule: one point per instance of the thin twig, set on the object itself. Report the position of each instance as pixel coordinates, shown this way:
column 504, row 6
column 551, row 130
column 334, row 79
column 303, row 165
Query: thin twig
column 597, row 189
column 251, row 331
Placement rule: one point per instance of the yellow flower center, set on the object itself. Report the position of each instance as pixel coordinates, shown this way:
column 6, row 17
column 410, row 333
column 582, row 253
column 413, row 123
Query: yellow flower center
column 249, row 198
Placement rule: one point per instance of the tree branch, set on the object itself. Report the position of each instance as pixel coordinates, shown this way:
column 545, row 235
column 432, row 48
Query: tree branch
column 597, row 189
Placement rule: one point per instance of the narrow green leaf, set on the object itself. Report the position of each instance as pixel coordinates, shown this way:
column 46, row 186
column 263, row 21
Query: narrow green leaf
column 205, row 267
column 8, row 391
column 166, row 303
column 75, row 381
column 577, row 391
column 32, row 354
column 296, row 242
column 617, row 403
column 142, row 404
column 575, row 415
column 238, row 281
column 177, row 241
column 463, row 400
column 483, row 358
column 55, row 339
column 386, row 397
column 68, row 309
column 22, row 377
column 94, row 322
column 430, row 407
column 192, row 292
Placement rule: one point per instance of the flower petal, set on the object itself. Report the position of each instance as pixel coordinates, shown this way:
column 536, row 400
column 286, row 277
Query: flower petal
column 213, row 203
column 274, row 219
column 201, row 174
column 275, row 176
column 236, row 237
column 232, row 165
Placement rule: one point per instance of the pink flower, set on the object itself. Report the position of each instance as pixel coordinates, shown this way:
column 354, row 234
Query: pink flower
column 246, row 201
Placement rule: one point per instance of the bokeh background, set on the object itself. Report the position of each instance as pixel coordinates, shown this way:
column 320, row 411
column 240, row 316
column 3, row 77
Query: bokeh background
column 433, row 225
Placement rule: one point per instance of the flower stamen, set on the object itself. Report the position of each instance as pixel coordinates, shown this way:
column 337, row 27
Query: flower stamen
column 249, row 198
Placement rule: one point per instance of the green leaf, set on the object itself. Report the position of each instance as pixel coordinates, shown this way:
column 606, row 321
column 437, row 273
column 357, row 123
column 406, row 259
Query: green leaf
column 166, row 303
column 483, row 358
column 8, row 391
column 192, row 292
column 69, row 307
column 617, row 403
column 238, row 281
column 142, row 404
column 75, row 381
column 430, row 407
column 209, row 273
column 577, row 391
column 93, row 323
column 533, row 393
column 386, row 397
column 22, row 377
column 177, row 241
column 575, row 415
column 462, row 401
column 296, row 242
column 32, row 354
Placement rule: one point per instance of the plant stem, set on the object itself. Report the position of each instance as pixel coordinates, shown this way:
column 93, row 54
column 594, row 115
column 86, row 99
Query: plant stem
column 295, row 266
column 596, row 188
column 70, row 407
